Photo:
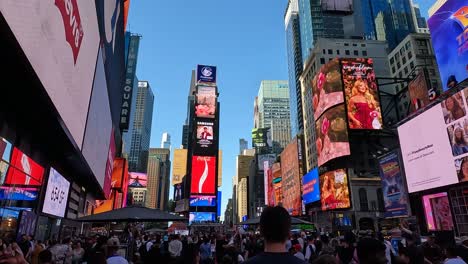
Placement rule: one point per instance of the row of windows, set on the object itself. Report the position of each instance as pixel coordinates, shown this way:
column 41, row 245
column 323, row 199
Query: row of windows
column 347, row 52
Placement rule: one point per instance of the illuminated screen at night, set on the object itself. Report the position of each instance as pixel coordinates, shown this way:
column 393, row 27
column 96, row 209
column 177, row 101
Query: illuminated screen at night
column 24, row 170
column 334, row 191
column 437, row 211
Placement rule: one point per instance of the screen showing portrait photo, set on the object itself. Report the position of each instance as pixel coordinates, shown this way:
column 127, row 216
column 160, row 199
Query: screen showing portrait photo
column 437, row 211
column 332, row 135
column 327, row 88
column 203, row 175
column 56, row 197
column 361, row 93
column 334, row 190
column 205, row 134
column 206, row 102
column 434, row 145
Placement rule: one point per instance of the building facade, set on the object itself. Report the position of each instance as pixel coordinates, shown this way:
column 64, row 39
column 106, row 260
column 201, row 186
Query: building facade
column 166, row 141
column 243, row 145
column 159, row 165
column 273, row 112
column 137, row 139
column 228, row 213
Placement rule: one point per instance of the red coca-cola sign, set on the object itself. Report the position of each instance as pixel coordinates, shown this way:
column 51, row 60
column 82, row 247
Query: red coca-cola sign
column 72, row 23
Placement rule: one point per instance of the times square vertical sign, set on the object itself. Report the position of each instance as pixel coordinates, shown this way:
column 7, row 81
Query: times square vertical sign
column 129, row 81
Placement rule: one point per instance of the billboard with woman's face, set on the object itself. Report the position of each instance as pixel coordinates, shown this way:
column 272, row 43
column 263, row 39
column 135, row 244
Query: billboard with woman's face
column 361, row 93
column 334, row 190
column 327, row 88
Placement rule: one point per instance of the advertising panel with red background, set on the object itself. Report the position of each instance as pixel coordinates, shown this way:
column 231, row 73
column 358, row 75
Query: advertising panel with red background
column 203, row 175
column 291, row 182
column 23, row 170
column 334, row 190
column 361, row 93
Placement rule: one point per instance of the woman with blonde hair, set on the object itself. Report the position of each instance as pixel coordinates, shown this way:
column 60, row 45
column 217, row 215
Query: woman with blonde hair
column 363, row 109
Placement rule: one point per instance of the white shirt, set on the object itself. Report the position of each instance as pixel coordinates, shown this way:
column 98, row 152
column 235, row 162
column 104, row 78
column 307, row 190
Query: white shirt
column 301, row 242
column 454, row 261
column 299, row 255
column 389, row 249
column 149, row 245
column 116, row 260
column 309, row 252
column 175, row 248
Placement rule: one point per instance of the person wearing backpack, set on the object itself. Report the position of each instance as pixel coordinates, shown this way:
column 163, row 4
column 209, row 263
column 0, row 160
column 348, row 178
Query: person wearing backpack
column 311, row 250
column 145, row 248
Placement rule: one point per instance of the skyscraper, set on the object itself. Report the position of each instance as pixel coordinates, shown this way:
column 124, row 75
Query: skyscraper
column 137, row 139
column 159, row 166
column 166, row 141
column 293, row 41
column 243, row 144
column 272, row 103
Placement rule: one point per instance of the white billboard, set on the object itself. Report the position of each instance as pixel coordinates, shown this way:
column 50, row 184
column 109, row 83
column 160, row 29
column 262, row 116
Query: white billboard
column 434, row 145
column 60, row 39
column 55, row 200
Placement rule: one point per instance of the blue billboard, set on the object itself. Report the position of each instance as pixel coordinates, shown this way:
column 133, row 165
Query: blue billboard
column 18, row 194
column 200, row 217
column 219, row 203
column 310, row 186
column 449, row 31
column 201, row 200
column 206, row 74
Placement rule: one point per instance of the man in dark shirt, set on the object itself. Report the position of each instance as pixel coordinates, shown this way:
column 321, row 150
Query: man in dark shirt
column 275, row 224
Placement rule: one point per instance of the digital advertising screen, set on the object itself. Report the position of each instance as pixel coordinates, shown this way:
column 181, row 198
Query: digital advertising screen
column 179, row 166
column 206, row 74
column 361, row 93
column 437, row 211
column 200, row 217
column 201, row 200
column 23, row 170
column 334, row 190
column 18, row 194
column 118, row 173
column 393, row 187
column 277, row 185
column 268, row 183
column 271, row 158
column 137, row 180
column 206, row 102
column 67, row 35
column 291, row 182
column 203, row 175
column 448, row 28
column 5, row 149
column 205, row 138
column 434, row 145
column 109, row 165
column 56, row 197
column 311, row 187
column 332, row 135
column 261, row 137
column 418, row 92
column 327, row 88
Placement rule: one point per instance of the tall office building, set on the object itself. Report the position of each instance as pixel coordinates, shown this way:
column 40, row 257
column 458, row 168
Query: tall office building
column 166, row 141
column 159, row 166
column 272, row 111
column 186, row 128
column 420, row 22
column 137, row 139
column 243, row 145
column 293, row 42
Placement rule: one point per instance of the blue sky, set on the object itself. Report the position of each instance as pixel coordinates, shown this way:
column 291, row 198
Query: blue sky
column 244, row 39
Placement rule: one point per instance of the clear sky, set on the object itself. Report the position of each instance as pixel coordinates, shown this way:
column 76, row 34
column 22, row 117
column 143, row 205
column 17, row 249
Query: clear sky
column 245, row 39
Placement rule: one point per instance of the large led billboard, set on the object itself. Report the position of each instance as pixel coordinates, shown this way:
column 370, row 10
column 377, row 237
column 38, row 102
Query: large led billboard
column 261, row 137
column 205, row 106
column 205, row 138
column 23, row 170
column 437, row 212
column 18, row 194
column 206, row 74
column 434, row 144
column 327, row 88
column 332, row 135
column 310, row 187
column 118, row 176
column 56, row 196
column 66, row 34
column 268, row 183
column 291, row 182
column 200, row 217
column 271, row 158
column 137, row 180
column 203, row 175
column 393, row 187
column 448, row 28
column 203, row 200
column 334, row 190
column 179, row 166
column 361, row 93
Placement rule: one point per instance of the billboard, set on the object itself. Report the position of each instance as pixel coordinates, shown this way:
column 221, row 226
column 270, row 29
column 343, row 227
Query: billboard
column 205, row 106
column 418, row 92
column 437, row 212
column 261, row 137
column 200, row 217
column 18, row 194
column 220, row 168
column 23, row 170
column 109, row 165
column 393, row 187
column 310, row 187
column 126, row 106
column 206, row 74
column 291, row 182
column 202, row 200
column 334, row 190
column 327, row 88
column 178, row 192
column 118, row 173
column 271, row 158
column 203, row 175
column 448, row 28
column 433, row 145
column 56, row 196
column 27, row 223
column 137, row 180
column 205, row 141
column 332, row 135
column 218, row 207
column 361, row 93
column 67, row 36
column 179, row 166
column 337, row 5
column 268, row 183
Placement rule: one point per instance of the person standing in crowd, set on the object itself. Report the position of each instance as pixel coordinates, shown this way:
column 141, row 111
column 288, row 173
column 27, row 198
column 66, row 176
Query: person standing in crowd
column 389, row 251
column 25, row 245
column 175, row 248
column 298, row 252
column 310, row 250
column 452, row 257
column 45, row 257
column 77, row 253
column 301, row 242
column 205, row 252
column 432, row 251
column 38, row 248
column 221, row 242
column 275, row 224
column 345, row 252
column 462, row 249
column 371, row 251
column 113, row 257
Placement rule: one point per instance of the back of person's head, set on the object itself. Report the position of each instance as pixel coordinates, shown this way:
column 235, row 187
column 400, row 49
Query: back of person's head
column 349, row 237
column 275, row 224
column 371, row 251
column 45, row 256
column 325, row 239
column 451, row 252
column 146, row 237
column 325, row 259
